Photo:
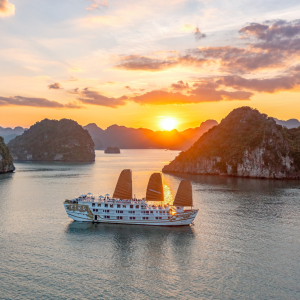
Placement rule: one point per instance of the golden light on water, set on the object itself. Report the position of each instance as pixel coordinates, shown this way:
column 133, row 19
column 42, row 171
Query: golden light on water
column 168, row 123
column 168, row 195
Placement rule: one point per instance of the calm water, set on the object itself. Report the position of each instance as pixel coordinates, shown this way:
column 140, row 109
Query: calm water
column 245, row 243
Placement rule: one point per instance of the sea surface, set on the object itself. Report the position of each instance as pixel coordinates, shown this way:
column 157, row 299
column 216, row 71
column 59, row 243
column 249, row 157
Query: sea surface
column 245, row 243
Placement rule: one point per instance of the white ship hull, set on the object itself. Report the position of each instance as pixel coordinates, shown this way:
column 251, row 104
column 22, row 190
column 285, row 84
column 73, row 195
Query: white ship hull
column 84, row 213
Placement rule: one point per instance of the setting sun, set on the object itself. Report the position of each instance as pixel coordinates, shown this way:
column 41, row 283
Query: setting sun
column 168, row 123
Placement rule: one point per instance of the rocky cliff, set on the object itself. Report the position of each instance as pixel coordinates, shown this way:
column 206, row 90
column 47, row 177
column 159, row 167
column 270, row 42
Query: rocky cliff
column 247, row 144
column 6, row 160
column 52, row 140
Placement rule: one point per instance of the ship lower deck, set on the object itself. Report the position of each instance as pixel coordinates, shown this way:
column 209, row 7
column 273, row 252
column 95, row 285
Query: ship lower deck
column 132, row 215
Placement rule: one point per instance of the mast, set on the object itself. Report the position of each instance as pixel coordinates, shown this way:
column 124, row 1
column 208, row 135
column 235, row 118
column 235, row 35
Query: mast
column 123, row 188
column 155, row 190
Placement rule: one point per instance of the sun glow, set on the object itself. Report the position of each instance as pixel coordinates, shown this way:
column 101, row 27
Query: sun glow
column 168, row 123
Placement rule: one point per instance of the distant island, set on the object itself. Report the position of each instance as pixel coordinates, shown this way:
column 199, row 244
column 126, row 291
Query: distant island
column 6, row 160
column 246, row 144
column 112, row 150
column 142, row 138
column 9, row 133
column 52, row 140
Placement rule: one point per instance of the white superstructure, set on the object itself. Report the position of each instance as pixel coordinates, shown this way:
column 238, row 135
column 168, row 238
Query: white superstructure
column 87, row 208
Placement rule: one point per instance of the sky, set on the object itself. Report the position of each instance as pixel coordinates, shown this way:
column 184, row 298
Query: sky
column 134, row 63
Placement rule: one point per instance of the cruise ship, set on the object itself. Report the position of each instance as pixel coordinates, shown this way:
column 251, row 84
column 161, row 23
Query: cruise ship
column 122, row 208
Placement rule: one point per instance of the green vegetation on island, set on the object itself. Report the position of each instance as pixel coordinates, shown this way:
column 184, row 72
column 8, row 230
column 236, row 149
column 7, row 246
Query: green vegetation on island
column 52, row 140
column 246, row 143
column 6, row 160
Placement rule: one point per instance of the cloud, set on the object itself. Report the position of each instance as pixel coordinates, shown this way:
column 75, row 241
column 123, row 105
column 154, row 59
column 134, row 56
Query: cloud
column 271, row 30
column 198, row 34
column 6, row 8
column 152, row 64
column 54, row 86
column 143, row 63
column 266, row 85
column 233, row 59
column 97, row 5
column 35, row 102
column 180, row 85
column 88, row 96
column 198, row 95
column 276, row 45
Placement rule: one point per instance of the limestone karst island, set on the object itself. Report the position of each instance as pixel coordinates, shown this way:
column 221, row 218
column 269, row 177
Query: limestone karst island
column 246, row 144
column 52, row 140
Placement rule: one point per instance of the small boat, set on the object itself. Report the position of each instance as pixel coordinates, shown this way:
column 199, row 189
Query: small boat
column 122, row 208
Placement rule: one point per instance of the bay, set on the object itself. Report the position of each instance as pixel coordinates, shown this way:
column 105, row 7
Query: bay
column 244, row 243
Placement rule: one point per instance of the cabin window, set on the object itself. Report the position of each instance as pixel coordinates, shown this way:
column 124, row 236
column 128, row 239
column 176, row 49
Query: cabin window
column 106, row 217
column 164, row 211
column 111, row 205
column 156, row 218
column 151, row 212
column 106, row 205
column 93, row 204
column 121, row 218
column 137, row 206
column 147, row 212
column 99, row 205
column 106, row 211
column 143, row 206
column 118, row 206
column 160, row 212
column 94, row 209
column 124, row 206
column 178, row 207
column 131, row 206
column 160, row 218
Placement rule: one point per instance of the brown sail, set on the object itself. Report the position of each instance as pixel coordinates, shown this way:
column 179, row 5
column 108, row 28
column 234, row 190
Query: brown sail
column 184, row 195
column 123, row 189
column 155, row 190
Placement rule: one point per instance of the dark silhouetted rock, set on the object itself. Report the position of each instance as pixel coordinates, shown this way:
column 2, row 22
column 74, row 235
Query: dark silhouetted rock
column 52, row 140
column 112, row 150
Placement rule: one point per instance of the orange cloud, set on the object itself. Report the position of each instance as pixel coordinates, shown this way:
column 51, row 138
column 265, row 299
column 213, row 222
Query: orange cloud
column 88, row 96
column 6, row 8
column 97, row 5
column 198, row 95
